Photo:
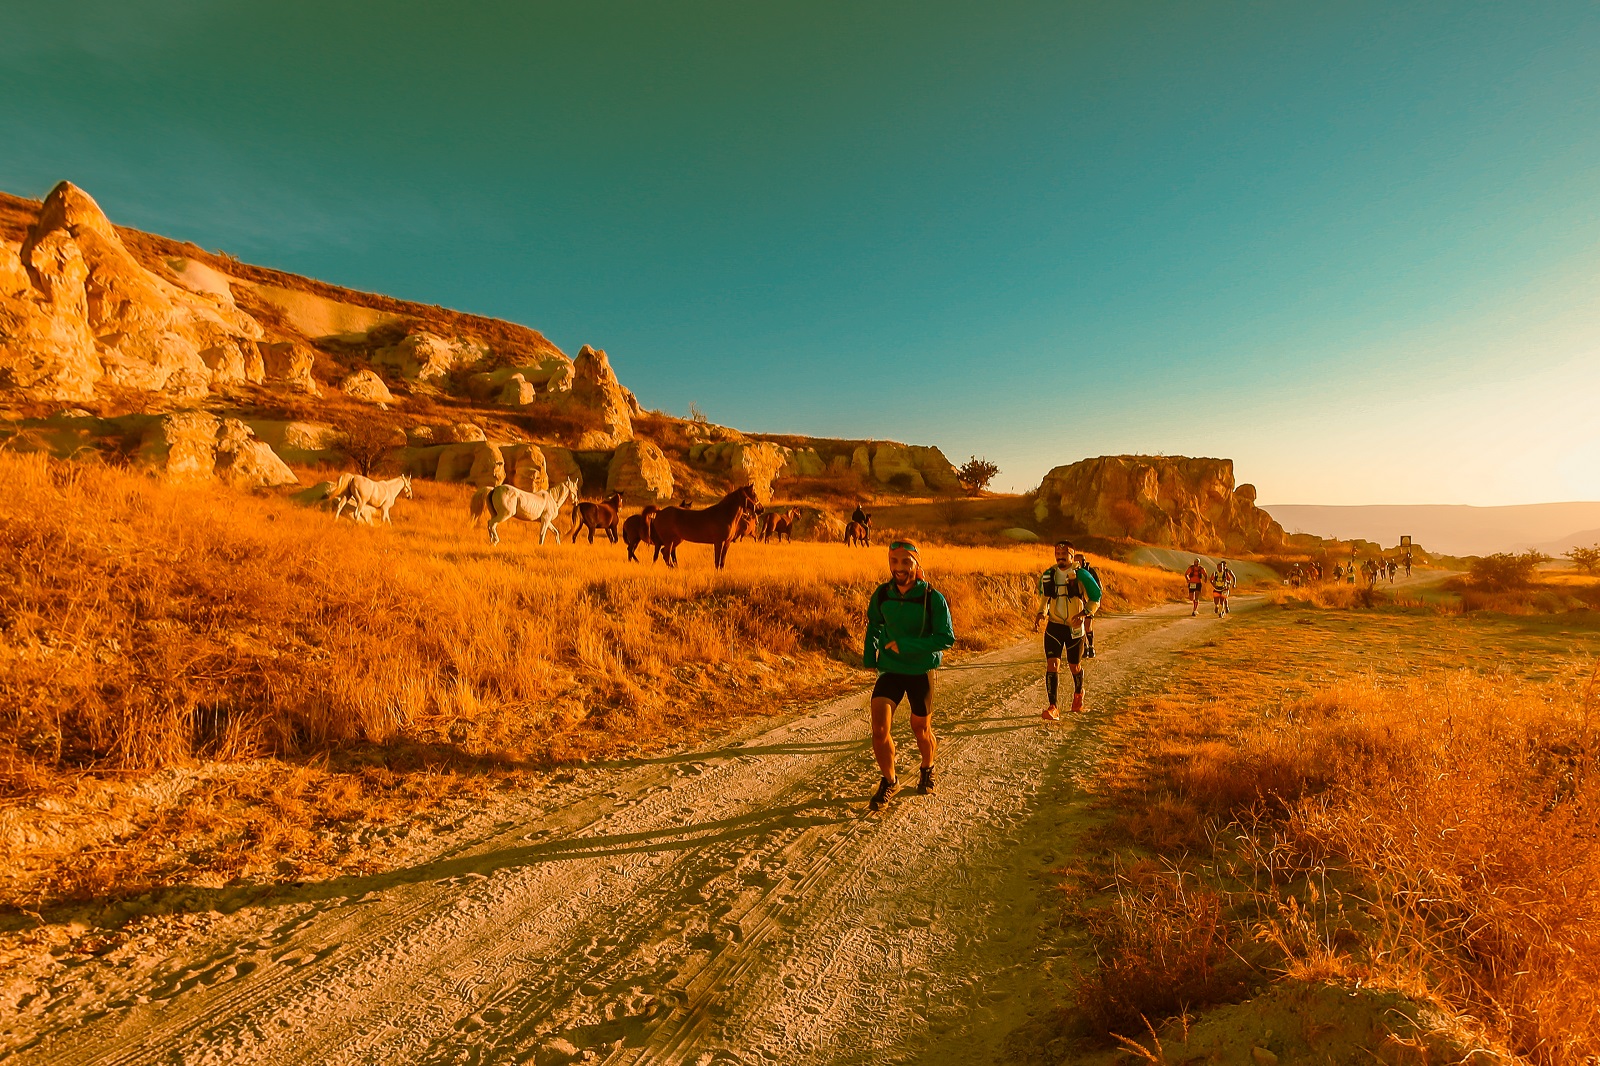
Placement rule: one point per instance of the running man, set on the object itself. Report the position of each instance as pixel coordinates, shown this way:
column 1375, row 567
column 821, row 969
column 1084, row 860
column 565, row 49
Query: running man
column 1068, row 596
column 1196, row 577
column 1222, row 583
column 1088, row 619
column 908, row 631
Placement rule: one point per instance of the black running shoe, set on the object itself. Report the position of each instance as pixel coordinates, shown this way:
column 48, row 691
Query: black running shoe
column 925, row 786
column 880, row 797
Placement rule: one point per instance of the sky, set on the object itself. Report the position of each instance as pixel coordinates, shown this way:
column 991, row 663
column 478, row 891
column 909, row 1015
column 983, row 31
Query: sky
column 1354, row 247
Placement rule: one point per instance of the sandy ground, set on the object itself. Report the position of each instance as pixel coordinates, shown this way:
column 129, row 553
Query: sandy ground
column 733, row 904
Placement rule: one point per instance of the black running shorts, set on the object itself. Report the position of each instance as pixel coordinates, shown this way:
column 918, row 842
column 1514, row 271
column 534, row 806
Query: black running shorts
column 1060, row 643
column 917, row 689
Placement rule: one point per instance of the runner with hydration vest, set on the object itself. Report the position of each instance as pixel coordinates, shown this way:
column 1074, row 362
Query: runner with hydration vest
column 1068, row 596
column 908, row 632
column 1222, row 583
column 1196, row 577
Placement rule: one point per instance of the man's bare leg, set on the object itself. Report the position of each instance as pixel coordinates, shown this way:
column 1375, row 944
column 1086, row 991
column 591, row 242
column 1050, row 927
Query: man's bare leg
column 927, row 746
column 882, row 740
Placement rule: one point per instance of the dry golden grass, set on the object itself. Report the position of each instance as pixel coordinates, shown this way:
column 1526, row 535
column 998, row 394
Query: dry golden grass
column 150, row 626
column 1389, row 820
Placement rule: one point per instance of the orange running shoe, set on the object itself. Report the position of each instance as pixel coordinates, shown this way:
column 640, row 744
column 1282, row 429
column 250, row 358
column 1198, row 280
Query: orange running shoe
column 1077, row 703
column 1051, row 714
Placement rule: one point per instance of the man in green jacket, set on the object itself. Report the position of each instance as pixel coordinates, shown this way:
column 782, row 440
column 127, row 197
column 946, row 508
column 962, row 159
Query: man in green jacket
column 908, row 630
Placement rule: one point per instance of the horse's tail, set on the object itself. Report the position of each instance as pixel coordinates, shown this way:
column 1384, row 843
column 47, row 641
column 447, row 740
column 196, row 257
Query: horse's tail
column 479, row 504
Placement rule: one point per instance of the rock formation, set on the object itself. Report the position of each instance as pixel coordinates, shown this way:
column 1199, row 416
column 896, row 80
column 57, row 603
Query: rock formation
column 641, row 473
column 754, row 463
column 428, row 357
column 595, row 386
column 368, row 386
column 194, row 446
column 76, row 310
column 1174, row 501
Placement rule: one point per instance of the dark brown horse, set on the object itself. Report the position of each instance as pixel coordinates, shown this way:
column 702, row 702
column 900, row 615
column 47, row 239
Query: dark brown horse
column 779, row 524
column 602, row 515
column 859, row 532
column 637, row 529
column 715, row 526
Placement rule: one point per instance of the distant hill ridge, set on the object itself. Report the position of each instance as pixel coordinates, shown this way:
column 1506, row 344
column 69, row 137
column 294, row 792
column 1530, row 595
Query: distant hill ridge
column 1455, row 529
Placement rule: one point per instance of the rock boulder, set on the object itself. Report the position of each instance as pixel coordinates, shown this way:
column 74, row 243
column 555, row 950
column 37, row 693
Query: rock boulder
column 641, row 473
column 190, row 446
column 367, row 386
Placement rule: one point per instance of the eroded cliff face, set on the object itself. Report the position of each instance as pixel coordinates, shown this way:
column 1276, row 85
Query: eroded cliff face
column 1171, row 501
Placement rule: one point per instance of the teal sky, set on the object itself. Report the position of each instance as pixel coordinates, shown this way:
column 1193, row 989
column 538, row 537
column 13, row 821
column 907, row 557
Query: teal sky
column 1355, row 247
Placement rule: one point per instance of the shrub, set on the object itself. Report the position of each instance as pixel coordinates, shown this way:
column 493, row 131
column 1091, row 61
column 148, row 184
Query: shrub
column 1585, row 559
column 1505, row 570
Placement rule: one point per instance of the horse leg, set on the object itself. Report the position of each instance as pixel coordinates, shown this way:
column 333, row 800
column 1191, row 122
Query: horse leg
column 591, row 534
column 494, row 528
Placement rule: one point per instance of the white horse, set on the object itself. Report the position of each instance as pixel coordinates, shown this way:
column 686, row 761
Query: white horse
column 364, row 496
column 543, row 506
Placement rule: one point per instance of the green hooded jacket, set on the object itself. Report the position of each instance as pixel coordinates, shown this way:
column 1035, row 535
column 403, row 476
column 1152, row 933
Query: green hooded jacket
column 917, row 622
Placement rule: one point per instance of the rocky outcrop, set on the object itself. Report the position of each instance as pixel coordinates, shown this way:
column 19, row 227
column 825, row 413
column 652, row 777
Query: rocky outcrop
column 595, row 387
column 366, row 386
column 804, row 462
column 289, row 364
column 194, row 446
column 641, row 473
column 551, row 376
column 901, row 466
column 1173, row 501
column 479, row 463
column 299, row 442
column 525, row 466
column 813, row 523
column 430, row 358
column 753, row 463
column 77, row 310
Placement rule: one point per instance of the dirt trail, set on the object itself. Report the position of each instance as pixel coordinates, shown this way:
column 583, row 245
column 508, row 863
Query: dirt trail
column 732, row 904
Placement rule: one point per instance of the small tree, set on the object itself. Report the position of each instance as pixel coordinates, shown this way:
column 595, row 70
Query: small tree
column 696, row 414
column 368, row 444
column 975, row 474
column 1585, row 559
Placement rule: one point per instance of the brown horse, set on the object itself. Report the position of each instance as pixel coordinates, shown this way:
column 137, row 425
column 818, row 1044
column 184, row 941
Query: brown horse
column 746, row 527
column 637, row 529
column 714, row 525
column 779, row 524
column 602, row 515
column 859, row 532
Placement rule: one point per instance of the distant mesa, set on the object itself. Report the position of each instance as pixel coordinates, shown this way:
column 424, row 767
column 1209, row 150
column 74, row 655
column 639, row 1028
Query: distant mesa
column 1168, row 501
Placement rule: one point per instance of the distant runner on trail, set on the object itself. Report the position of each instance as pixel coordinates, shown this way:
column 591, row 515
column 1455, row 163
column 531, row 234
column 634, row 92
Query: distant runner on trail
column 1068, row 596
column 1196, row 577
column 1222, row 583
column 908, row 631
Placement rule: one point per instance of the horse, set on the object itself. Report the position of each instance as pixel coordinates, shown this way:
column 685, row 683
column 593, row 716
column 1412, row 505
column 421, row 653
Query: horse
column 637, row 529
column 544, row 506
column 714, row 525
column 859, row 532
column 780, row 525
column 364, row 495
column 746, row 527
column 602, row 515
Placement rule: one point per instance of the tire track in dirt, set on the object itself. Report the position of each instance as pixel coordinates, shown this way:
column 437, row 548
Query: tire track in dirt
column 726, row 905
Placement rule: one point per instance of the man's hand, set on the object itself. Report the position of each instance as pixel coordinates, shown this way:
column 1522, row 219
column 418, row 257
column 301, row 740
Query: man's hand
column 1037, row 619
column 893, row 645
